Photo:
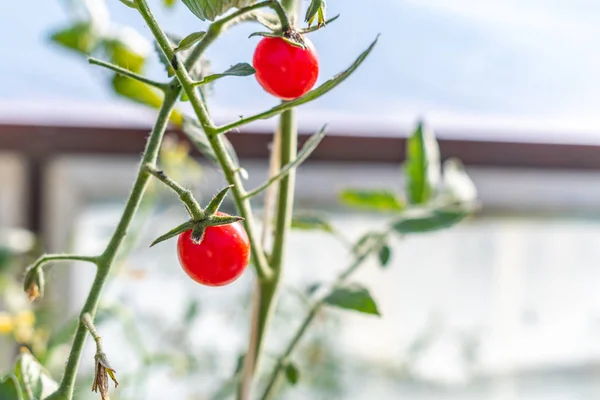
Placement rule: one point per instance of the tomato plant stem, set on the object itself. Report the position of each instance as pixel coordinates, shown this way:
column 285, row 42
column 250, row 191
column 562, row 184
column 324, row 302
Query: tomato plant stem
column 283, row 220
column 105, row 261
column 267, row 296
column 184, row 194
column 312, row 313
column 63, row 257
column 227, row 165
column 129, row 74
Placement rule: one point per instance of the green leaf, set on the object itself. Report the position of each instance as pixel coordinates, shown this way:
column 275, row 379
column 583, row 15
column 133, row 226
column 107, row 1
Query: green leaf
column 316, row 8
column 174, row 232
column 422, row 166
column 35, row 381
column 317, row 27
column 307, row 149
column 80, row 37
column 239, row 365
column 218, row 220
column 211, row 9
column 192, row 311
column 312, row 288
column 292, row 374
column 385, row 254
column 197, row 136
column 457, row 187
column 353, row 297
column 311, row 221
column 266, row 34
column 240, row 69
column 227, row 390
column 215, row 203
column 136, row 91
column 364, row 241
column 9, row 388
column 429, row 220
column 375, row 200
column 188, row 41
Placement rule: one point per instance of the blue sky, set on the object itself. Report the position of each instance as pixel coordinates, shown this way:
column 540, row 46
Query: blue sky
column 464, row 60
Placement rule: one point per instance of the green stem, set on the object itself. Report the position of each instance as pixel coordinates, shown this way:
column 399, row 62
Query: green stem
column 283, row 220
column 86, row 319
column 62, row 257
column 129, row 74
column 267, row 296
column 312, row 313
column 105, row 261
column 218, row 146
column 184, row 194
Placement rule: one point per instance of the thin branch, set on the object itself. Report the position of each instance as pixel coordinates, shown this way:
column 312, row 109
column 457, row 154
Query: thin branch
column 128, row 73
column 102, row 368
column 105, row 262
column 245, row 387
column 283, row 222
column 184, row 194
column 302, row 156
column 87, row 321
column 62, row 257
column 129, row 3
column 314, row 310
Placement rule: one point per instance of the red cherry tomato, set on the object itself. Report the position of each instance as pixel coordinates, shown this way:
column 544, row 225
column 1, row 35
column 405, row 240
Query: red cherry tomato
column 284, row 70
column 221, row 256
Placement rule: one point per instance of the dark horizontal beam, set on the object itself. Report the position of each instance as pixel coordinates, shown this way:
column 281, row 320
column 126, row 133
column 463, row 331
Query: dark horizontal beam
column 39, row 141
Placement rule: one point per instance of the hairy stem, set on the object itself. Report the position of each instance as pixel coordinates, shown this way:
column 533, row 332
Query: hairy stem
column 245, row 387
column 283, row 221
column 62, row 257
column 312, row 313
column 267, row 297
column 129, row 74
column 86, row 319
column 218, row 146
column 105, row 261
column 184, row 194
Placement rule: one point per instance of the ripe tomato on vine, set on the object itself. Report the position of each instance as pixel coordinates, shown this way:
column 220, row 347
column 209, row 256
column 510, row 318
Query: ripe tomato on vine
column 284, row 70
column 219, row 259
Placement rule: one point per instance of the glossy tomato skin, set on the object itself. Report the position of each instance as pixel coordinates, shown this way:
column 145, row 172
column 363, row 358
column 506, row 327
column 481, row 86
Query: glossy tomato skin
column 284, row 70
column 219, row 259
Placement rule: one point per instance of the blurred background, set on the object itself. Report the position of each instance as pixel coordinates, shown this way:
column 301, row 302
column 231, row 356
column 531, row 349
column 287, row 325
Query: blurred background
column 504, row 306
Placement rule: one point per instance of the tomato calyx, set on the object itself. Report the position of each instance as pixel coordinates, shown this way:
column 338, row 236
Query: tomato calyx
column 211, row 216
column 199, row 227
column 291, row 36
